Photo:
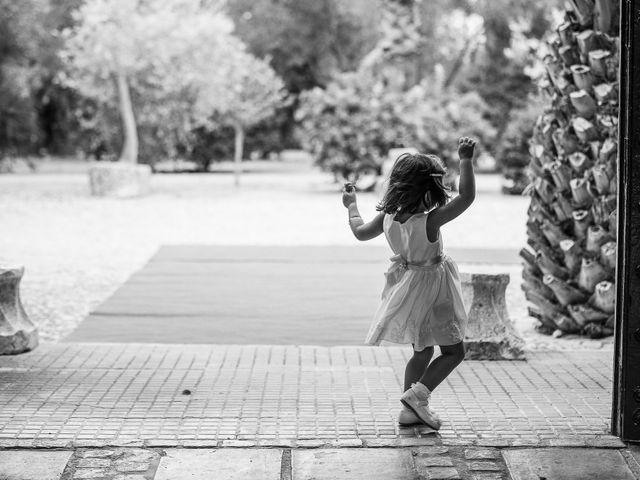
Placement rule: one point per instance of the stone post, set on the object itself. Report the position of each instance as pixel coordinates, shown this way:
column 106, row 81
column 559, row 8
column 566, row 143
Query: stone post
column 119, row 179
column 17, row 333
column 490, row 334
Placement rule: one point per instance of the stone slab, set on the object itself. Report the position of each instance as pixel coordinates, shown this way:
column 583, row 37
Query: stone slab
column 352, row 464
column 33, row 464
column 119, row 179
column 221, row 464
column 635, row 452
column 567, row 464
column 632, row 455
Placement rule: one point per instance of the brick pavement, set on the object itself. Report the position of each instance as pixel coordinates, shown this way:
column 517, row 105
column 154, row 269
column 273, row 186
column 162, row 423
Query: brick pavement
column 96, row 395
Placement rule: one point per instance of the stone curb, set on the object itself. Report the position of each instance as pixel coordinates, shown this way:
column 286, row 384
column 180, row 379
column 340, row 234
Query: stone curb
column 431, row 462
column 589, row 442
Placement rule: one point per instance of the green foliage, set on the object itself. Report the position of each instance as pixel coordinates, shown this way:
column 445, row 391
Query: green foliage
column 350, row 124
column 513, row 152
column 354, row 122
column 180, row 54
column 499, row 69
column 249, row 92
column 29, row 119
column 306, row 42
column 182, row 66
column 504, row 87
column 215, row 144
column 18, row 120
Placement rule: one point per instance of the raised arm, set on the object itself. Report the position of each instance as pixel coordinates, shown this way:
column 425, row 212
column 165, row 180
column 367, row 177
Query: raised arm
column 467, row 188
column 361, row 230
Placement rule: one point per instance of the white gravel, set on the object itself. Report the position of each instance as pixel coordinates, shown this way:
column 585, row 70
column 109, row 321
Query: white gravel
column 78, row 249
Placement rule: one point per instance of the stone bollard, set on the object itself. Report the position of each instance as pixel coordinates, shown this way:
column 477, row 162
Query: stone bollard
column 119, row 179
column 17, row 333
column 490, row 334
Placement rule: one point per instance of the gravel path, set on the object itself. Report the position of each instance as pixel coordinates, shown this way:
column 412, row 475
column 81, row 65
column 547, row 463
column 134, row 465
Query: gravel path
column 78, row 249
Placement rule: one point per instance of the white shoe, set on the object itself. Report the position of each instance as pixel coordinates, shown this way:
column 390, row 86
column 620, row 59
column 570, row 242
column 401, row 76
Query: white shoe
column 433, row 414
column 406, row 417
column 417, row 400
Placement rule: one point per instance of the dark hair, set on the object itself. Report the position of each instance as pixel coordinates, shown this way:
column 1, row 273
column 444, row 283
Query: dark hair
column 413, row 176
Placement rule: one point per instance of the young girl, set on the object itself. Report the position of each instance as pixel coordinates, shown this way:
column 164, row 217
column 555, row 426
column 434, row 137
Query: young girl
column 422, row 299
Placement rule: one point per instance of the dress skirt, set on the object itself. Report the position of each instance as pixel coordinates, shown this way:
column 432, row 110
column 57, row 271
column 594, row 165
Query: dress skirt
column 421, row 305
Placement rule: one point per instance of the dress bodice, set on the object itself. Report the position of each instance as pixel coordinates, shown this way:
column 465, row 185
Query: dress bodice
column 409, row 239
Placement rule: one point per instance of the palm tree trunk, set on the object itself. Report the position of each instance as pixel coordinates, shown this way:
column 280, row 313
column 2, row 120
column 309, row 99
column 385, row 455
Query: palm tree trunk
column 572, row 168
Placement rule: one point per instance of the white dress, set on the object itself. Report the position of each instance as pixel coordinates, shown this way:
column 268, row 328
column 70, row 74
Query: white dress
column 422, row 299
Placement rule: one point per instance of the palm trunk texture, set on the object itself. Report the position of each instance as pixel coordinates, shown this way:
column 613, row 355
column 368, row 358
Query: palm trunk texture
column 571, row 228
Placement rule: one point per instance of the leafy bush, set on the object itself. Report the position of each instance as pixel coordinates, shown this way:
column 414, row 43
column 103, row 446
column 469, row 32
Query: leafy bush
column 177, row 64
column 351, row 125
column 513, row 149
column 215, row 144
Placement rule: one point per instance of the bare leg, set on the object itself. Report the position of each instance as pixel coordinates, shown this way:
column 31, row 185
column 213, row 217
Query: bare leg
column 416, row 366
column 441, row 367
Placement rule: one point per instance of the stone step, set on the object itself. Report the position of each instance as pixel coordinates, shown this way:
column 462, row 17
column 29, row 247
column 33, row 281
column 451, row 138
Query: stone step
column 567, row 464
column 420, row 463
column 33, row 464
column 223, row 464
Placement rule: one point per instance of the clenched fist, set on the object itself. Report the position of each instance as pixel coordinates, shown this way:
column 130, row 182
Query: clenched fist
column 348, row 194
column 466, row 147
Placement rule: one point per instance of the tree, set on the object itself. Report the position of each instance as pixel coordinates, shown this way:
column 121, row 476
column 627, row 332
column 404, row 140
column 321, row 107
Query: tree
column 306, row 42
column 166, row 54
column 350, row 126
column 421, row 40
column 28, row 63
column 499, row 69
column 396, row 98
column 513, row 150
column 569, row 267
column 252, row 92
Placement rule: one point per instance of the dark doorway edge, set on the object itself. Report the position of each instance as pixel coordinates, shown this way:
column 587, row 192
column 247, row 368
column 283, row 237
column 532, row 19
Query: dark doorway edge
column 625, row 418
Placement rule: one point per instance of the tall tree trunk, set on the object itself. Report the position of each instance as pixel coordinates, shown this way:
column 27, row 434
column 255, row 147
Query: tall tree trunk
column 395, row 57
column 573, row 169
column 130, row 148
column 458, row 62
column 238, row 151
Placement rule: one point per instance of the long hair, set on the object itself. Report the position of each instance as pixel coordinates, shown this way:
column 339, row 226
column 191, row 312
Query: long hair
column 412, row 177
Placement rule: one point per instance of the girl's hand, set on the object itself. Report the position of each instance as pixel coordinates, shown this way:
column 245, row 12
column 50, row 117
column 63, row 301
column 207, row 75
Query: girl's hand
column 466, row 147
column 348, row 194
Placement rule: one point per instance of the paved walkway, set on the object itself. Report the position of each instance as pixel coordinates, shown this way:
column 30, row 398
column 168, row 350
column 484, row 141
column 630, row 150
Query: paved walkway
column 85, row 395
column 199, row 412
column 301, row 295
